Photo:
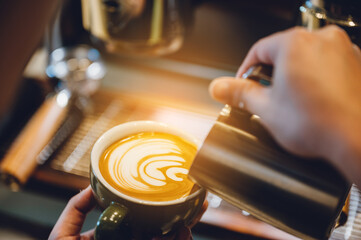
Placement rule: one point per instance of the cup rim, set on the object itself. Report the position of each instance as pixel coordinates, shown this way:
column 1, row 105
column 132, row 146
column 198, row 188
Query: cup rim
column 138, row 126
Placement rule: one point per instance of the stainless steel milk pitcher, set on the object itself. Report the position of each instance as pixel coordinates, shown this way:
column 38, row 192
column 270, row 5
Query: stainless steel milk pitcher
column 240, row 162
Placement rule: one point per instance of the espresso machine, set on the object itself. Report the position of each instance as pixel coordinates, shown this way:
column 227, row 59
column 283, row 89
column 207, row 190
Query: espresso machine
column 346, row 14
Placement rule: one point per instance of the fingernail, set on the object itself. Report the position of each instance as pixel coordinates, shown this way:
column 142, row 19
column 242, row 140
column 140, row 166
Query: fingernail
column 220, row 89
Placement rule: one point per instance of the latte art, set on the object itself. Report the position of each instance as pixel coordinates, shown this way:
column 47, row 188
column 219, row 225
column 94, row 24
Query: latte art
column 149, row 166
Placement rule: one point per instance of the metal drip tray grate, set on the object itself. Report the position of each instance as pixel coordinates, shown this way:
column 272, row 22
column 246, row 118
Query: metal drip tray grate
column 74, row 156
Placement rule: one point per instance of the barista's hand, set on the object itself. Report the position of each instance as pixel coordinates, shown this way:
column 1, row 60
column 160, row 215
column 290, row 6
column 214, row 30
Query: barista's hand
column 72, row 218
column 313, row 107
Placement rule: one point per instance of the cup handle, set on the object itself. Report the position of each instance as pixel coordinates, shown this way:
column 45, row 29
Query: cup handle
column 111, row 225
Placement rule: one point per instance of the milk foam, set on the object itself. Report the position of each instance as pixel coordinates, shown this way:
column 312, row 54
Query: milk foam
column 151, row 166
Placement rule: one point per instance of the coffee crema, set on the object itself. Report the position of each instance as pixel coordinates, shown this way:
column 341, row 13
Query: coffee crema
column 150, row 166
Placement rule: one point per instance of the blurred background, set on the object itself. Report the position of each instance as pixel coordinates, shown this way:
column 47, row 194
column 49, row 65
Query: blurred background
column 154, row 62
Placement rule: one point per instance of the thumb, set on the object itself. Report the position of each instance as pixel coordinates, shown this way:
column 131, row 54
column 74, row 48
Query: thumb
column 242, row 93
column 72, row 218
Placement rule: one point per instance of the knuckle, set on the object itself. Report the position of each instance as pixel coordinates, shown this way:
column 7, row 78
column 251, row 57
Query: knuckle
column 299, row 32
column 72, row 201
column 336, row 32
column 258, row 44
column 298, row 40
column 261, row 41
column 298, row 36
column 299, row 29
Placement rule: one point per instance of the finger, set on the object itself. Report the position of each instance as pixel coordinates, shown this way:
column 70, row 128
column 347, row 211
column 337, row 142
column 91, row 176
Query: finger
column 88, row 235
column 241, row 93
column 264, row 51
column 72, row 218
